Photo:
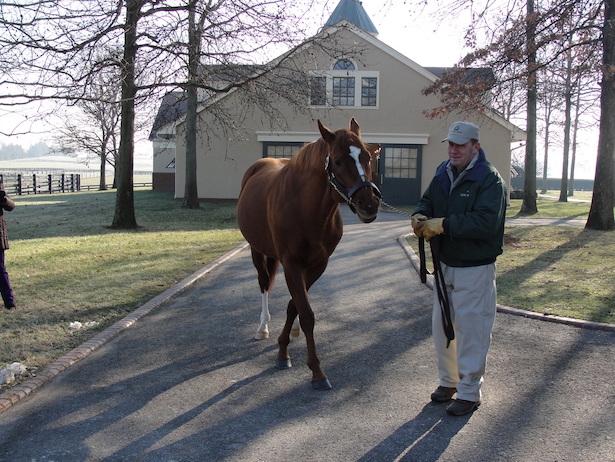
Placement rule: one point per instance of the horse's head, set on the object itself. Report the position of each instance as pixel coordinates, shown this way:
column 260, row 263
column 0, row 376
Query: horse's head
column 349, row 169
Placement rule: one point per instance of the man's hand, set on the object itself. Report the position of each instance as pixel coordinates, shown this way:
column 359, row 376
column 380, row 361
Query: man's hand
column 431, row 228
column 416, row 220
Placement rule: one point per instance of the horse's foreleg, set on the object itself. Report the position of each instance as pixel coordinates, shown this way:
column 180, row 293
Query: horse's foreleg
column 263, row 329
column 298, row 290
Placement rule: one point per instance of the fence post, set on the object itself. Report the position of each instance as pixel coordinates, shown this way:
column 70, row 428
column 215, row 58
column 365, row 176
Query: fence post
column 49, row 183
column 78, row 182
column 62, row 180
column 19, row 184
column 72, row 182
column 34, row 183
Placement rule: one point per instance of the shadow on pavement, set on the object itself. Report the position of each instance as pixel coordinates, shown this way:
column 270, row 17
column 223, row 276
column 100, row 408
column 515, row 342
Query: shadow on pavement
column 423, row 438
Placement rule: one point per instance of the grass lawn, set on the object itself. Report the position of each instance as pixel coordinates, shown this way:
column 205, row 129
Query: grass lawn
column 551, row 208
column 559, row 270
column 578, row 195
column 67, row 265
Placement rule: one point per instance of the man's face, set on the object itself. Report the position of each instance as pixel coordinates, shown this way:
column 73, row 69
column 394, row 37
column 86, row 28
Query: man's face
column 460, row 155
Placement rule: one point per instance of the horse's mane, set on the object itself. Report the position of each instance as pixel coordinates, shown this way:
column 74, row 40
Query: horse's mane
column 311, row 156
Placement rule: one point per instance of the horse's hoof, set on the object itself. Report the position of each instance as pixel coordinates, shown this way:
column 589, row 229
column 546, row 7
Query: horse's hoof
column 261, row 335
column 283, row 363
column 295, row 332
column 322, row 384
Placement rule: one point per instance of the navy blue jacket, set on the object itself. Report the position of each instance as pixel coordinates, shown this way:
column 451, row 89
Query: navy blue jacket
column 474, row 212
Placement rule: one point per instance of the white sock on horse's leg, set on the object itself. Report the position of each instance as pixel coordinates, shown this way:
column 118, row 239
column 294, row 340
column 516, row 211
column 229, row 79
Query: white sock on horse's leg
column 263, row 329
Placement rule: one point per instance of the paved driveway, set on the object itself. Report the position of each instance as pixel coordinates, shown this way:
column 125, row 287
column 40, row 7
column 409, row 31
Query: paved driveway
column 187, row 382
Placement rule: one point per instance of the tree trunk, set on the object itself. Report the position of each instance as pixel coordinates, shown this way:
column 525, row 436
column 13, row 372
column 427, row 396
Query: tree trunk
column 575, row 130
column 102, row 185
column 191, row 195
column 124, row 204
column 601, row 210
column 528, row 207
column 546, row 157
column 563, row 189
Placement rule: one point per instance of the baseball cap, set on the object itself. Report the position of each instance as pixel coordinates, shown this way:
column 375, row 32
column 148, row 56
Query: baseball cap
column 462, row 132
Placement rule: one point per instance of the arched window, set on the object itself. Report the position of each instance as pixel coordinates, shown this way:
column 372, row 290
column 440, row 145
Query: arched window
column 344, row 65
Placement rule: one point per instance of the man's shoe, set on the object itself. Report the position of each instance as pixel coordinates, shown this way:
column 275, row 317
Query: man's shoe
column 10, row 307
column 443, row 394
column 462, row 407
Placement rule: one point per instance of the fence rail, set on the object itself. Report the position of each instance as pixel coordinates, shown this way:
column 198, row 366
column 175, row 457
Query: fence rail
column 19, row 184
column 96, row 187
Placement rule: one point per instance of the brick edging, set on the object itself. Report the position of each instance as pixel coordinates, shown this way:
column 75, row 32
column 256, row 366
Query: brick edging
column 414, row 260
column 21, row 391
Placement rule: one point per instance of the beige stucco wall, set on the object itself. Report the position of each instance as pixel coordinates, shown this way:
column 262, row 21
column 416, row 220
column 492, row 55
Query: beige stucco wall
column 163, row 154
column 223, row 158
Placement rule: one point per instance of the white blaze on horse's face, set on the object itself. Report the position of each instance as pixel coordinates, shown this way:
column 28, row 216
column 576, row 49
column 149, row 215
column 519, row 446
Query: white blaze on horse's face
column 354, row 153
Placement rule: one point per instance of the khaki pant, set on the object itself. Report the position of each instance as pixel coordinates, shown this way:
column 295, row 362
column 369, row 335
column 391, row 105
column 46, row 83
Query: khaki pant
column 472, row 296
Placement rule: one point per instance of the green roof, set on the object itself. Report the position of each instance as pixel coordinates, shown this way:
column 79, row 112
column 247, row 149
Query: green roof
column 353, row 12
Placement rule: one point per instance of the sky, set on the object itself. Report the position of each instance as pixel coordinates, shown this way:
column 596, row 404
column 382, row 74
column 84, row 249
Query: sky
column 420, row 36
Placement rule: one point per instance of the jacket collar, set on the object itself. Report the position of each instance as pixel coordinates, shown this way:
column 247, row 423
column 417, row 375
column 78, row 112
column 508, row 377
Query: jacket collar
column 476, row 173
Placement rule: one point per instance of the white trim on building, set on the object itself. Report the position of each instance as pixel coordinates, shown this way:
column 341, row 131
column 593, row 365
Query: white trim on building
column 303, row 137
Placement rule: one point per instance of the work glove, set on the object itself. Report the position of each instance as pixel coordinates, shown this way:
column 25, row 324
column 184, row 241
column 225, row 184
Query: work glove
column 415, row 220
column 430, row 228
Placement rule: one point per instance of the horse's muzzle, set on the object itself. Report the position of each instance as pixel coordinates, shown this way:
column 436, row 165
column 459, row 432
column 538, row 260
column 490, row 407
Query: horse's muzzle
column 365, row 201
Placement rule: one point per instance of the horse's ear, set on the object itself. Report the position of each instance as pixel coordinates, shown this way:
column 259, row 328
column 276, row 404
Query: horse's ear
column 354, row 127
column 327, row 134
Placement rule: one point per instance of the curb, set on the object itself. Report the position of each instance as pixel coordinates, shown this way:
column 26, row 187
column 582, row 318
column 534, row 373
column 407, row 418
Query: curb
column 414, row 260
column 21, row 391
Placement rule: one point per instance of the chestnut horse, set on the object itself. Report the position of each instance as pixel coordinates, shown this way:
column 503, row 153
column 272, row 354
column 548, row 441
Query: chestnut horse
column 288, row 213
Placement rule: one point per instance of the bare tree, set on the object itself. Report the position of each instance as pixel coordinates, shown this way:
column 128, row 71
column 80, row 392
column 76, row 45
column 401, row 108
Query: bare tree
column 563, row 194
column 603, row 200
column 56, row 42
column 548, row 99
column 124, row 216
column 528, row 206
column 92, row 126
column 552, row 28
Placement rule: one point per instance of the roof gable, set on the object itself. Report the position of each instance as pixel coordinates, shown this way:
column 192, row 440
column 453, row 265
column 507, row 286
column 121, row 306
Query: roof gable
column 431, row 74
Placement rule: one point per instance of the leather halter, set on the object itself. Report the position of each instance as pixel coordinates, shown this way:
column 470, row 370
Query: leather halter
column 347, row 193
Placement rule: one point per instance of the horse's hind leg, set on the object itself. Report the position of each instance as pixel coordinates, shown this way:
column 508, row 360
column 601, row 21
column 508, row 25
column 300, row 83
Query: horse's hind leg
column 296, row 330
column 283, row 361
column 266, row 268
column 298, row 285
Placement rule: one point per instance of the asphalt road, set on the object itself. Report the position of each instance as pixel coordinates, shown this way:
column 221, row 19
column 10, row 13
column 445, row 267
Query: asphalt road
column 188, row 383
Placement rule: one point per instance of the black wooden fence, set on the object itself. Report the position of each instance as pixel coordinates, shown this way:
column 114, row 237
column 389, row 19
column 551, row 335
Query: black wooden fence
column 19, row 184
column 49, row 183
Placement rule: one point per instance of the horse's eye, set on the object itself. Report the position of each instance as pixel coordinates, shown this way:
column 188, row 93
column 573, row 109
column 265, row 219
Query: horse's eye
column 338, row 162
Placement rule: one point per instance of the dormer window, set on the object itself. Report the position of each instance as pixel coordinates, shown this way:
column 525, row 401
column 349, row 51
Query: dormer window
column 344, row 86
